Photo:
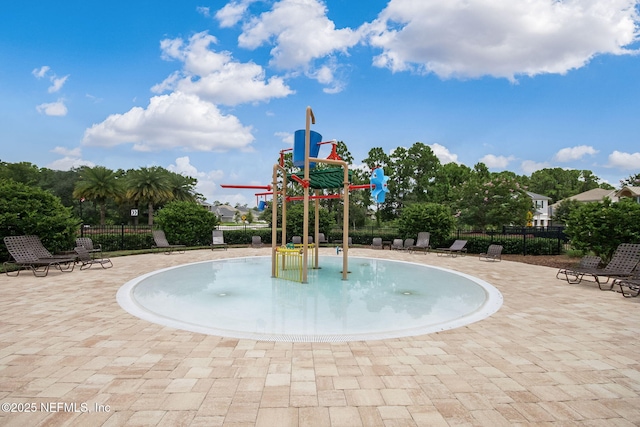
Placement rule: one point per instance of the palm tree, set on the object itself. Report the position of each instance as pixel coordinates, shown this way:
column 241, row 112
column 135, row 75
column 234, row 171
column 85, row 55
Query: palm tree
column 99, row 184
column 149, row 185
column 183, row 187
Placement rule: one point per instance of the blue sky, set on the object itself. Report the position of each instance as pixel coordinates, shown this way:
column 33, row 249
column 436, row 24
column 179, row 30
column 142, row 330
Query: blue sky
column 216, row 89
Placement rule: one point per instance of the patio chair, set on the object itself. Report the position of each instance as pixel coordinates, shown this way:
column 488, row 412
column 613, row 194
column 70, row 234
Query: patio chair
column 87, row 260
column 456, row 248
column 408, row 244
column 632, row 284
column 322, row 239
column 95, row 250
column 376, row 243
column 162, row 244
column 423, row 243
column 256, row 241
column 22, row 255
column 217, row 240
column 586, row 262
column 34, row 244
column 396, row 244
column 494, row 253
column 296, row 240
column 623, row 262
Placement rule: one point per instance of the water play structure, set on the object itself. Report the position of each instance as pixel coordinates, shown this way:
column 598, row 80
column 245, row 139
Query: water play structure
column 292, row 263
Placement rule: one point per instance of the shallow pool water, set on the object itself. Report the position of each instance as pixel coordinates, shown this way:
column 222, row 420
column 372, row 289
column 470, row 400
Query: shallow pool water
column 238, row 298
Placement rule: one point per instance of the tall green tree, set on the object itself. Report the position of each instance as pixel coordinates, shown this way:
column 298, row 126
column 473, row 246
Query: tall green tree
column 494, row 203
column 100, row 185
column 150, row 186
column 601, row 226
column 31, row 210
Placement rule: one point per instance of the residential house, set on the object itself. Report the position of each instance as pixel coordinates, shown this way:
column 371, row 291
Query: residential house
column 593, row 195
column 628, row 191
column 541, row 215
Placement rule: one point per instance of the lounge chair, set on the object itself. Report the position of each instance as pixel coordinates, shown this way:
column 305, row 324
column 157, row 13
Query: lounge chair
column 95, row 250
column 217, row 240
column 162, row 244
column 256, row 242
column 408, row 244
column 623, row 262
column 396, row 244
column 586, row 262
column 22, row 254
column 376, row 243
column 322, row 239
column 296, row 240
column 87, row 260
column 631, row 284
column 494, row 253
column 456, row 248
column 422, row 244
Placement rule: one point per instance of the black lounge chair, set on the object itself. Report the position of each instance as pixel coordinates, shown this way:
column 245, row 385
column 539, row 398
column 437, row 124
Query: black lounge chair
column 322, row 239
column 631, row 284
column 217, row 240
column 456, row 248
column 95, row 250
column 408, row 244
column 623, row 262
column 586, row 262
column 256, row 242
column 21, row 250
column 494, row 253
column 422, row 244
column 162, row 244
column 87, row 260
column 396, row 244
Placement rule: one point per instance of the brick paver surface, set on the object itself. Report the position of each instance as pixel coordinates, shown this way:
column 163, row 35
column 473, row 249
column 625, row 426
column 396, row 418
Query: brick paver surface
column 554, row 354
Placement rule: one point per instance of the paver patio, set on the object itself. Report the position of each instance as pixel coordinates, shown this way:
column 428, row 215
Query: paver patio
column 554, row 354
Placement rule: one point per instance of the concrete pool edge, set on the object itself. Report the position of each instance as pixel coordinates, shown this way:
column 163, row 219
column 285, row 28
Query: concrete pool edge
column 491, row 305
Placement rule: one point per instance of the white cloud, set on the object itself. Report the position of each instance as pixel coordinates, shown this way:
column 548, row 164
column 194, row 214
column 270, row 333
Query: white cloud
column 232, row 12
column 286, row 137
column 529, row 166
column 204, row 11
column 207, row 181
column 214, row 76
column 40, row 72
column 67, row 163
column 443, row 154
column 574, row 153
column 53, row 108
column 73, row 152
column 496, row 162
column 300, row 33
column 626, row 161
column 71, row 159
column 175, row 121
column 57, row 83
column 501, row 38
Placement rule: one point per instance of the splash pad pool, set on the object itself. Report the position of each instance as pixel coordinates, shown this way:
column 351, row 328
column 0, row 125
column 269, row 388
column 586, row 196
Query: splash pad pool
column 237, row 298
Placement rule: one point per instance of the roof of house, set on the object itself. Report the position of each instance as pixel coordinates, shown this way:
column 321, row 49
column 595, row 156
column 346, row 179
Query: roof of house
column 629, row 191
column 537, row 196
column 593, row 195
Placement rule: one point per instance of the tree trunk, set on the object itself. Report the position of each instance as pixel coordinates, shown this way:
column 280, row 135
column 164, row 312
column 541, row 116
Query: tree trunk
column 150, row 213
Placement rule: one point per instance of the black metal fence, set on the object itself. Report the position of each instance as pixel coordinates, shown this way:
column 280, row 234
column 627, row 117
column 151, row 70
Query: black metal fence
column 515, row 240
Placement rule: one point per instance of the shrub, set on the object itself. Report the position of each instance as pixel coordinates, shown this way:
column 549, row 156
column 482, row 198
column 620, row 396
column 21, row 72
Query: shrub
column 186, row 223
column 431, row 217
column 601, row 227
column 31, row 210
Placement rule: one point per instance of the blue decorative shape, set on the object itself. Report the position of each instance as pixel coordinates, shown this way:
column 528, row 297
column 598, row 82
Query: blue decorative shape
column 379, row 183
